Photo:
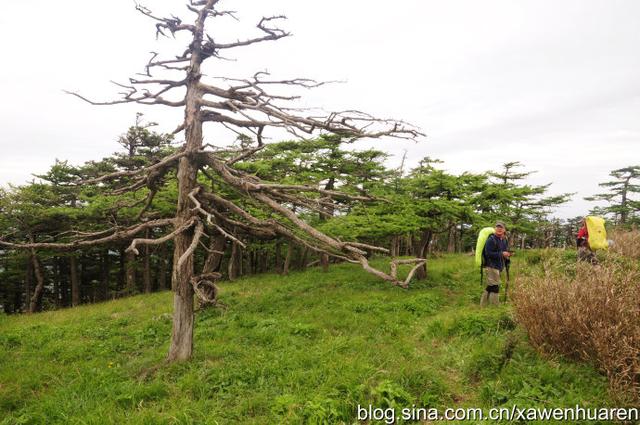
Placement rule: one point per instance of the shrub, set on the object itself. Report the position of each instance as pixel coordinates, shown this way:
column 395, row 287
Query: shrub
column 626, row 243
column 592, row 315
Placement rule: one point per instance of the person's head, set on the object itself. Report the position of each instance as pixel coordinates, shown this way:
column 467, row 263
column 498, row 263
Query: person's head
column 500, row 229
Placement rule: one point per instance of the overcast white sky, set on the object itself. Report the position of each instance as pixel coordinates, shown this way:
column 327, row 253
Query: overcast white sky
column 553, row 84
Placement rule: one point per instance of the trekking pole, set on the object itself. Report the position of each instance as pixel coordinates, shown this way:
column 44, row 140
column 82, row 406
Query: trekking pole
column 507, row 266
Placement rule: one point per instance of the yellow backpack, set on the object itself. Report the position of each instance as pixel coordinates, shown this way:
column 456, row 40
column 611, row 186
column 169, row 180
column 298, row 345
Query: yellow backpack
column 597, row 233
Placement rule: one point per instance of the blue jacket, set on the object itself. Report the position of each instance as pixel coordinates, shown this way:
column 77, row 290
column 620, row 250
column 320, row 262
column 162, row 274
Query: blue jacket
column 492, row 254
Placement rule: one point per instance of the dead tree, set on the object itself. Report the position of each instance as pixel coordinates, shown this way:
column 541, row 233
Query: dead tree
column 248, row 108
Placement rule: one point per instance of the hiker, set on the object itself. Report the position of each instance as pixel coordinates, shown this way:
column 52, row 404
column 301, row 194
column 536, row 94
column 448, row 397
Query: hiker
column 585, row 253
column 496, row 258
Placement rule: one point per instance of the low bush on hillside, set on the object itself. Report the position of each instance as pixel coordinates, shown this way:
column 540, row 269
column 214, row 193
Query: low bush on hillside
column 626, row 243
column 588, row 312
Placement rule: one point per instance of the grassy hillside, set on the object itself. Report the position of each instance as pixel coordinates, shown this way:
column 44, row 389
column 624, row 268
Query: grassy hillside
column 306, row 348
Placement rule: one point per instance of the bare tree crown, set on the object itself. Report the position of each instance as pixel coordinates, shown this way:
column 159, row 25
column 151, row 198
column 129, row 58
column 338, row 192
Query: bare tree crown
column 247, row 108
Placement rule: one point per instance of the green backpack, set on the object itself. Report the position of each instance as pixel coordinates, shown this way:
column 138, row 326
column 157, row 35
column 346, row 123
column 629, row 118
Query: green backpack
column 482, row 239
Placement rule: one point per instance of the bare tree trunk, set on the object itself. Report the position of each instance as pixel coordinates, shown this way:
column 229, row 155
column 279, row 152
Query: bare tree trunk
column 75, row 282
column 303, row 258
column 262, row 257
column 265, row 260
column 162, row 272
column 65, row 290
column 8, row 289
column 421, row 252
column 36, row 299
column 13, row 297
column 181, row 347
column 278, row 258
column 57, row 282
column 17, row 299
column 82, row 275
column 255, row 259
column 394, row 248
column 104, row 275
column 328, row 213
column 324, row 262
column 93, row 282
column 28, row 283
column 162, row 267
column 130, row 285
column 146, row 274
column 409, row 244
column 182, row 333
column 287, row 259
column 122, row 263
column 451, row 242
column 251, row 264
column 233, row 262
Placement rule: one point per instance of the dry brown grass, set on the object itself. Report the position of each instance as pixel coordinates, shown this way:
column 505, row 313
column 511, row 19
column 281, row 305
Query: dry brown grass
column 588, row 313
column 626, row 243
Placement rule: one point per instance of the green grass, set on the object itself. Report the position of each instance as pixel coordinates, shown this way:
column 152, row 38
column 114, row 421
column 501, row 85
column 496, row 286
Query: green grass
column 307, row 348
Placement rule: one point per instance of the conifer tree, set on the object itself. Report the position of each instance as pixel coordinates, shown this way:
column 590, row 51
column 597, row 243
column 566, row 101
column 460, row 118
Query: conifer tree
column 622, row 204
